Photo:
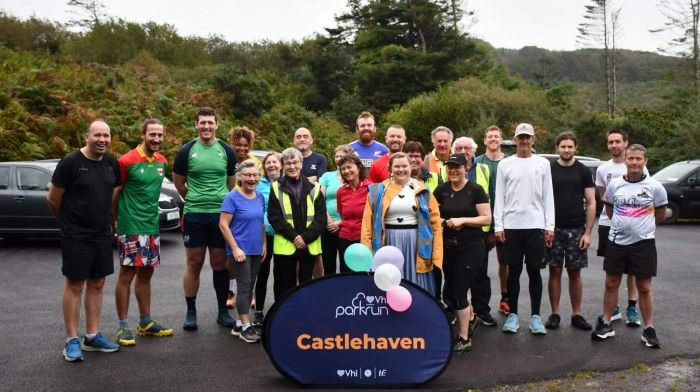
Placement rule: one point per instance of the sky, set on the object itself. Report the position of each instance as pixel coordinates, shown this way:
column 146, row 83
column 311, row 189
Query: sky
column 549, row 24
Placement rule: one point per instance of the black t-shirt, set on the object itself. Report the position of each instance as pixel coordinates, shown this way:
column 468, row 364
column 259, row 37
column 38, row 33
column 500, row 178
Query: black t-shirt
column 86, row 209
column 314, row 165
column 568, row 183
column 459, row 205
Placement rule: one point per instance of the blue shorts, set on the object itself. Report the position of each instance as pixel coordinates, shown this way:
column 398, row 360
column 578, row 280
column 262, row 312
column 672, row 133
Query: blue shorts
column 139, row 250
column 565, row 251
column 202, row 230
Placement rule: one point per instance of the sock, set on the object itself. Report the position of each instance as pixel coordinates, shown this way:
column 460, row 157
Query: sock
column 71, row 337
column 220, row 281
column 145, row 319
column 246, row 326
column 90, row 336
column 504, row 296
column 232, row 286
column 191, row 301
column 631, row 303
column 123, row 324
column 649, row 325
column 238, row 323
column 606, row 323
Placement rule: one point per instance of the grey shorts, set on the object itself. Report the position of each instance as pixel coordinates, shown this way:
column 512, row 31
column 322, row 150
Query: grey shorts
column 565, row 251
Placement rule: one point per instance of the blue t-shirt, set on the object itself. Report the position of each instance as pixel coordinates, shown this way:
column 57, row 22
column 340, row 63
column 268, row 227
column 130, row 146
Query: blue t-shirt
column 331, row 182
column 368, row 154
column 247, row 222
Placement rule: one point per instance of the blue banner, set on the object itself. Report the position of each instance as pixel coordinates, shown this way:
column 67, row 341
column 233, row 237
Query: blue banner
column 340, row 331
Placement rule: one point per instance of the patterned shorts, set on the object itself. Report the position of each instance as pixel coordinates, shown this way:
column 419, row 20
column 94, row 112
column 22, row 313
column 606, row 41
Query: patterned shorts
column 139, row 250
column 565, row 250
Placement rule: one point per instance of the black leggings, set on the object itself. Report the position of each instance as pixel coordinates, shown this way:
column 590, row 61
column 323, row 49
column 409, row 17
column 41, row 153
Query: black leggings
column 263, row 274
column 329, row 245
column 462, row 264
column 514, row 271
column 285, row 271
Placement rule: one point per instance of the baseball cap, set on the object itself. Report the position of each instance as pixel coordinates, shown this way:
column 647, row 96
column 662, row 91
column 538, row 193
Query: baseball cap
column 457, row 160
column 524, row 129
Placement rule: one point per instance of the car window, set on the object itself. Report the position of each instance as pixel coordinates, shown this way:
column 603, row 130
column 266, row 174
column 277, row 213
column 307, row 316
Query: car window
column 674, row 172
column 4, row 177
column 31, row 179
column 693, row 178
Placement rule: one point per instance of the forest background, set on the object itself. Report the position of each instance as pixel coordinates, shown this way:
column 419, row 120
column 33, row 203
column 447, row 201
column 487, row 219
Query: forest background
column 410, row 62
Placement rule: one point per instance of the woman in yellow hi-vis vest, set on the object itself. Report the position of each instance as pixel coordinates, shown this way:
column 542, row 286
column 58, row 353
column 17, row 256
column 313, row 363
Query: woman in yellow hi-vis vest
column 296, row 210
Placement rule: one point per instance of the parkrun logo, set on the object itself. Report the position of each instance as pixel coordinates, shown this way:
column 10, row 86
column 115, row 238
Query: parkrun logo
column 364, row 305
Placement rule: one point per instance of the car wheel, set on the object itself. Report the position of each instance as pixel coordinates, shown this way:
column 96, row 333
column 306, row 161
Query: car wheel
column 673, row 212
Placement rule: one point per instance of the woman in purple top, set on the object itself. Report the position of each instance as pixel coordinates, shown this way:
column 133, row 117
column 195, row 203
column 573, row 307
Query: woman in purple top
column 242, row 224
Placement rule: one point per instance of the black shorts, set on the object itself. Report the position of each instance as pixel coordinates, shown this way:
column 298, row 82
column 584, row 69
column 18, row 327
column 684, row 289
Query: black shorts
column 638, row 259
column 603, row 232
column 527, row 244
column 202, row 230
column 87, row 259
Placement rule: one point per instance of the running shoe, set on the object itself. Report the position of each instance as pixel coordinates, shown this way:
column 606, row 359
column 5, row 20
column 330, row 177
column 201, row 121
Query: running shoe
column 153, row 329
column 536, row 327
column 236, row 330
column 512, row 324
column 225, row 319
column 486, row 319
column 258, row 319
column 649, row 338
column 633, row 319
column 472, row 326
column 504, row 307
column 603, row 331
column 579, row 322
column 124, row 337
column 190, row 321
column 461, row 345
column 553, row 321
column 249, row 335
column 100, row 343
column 72, row 351
column 616, row 315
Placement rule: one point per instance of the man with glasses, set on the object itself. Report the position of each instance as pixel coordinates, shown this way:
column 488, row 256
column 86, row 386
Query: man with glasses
column 416, row 154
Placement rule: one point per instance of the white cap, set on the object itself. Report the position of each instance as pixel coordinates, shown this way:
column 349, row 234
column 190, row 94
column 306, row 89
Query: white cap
column 524, row 129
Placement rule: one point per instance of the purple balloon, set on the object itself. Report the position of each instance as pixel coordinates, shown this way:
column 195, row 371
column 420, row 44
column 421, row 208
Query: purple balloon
column 399, row 298
column 388, row 255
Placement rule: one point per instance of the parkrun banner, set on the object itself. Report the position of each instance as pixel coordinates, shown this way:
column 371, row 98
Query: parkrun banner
column 340, row 331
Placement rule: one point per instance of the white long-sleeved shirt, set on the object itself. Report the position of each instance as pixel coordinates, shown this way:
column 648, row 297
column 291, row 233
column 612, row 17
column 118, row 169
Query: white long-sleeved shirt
column 524, row 196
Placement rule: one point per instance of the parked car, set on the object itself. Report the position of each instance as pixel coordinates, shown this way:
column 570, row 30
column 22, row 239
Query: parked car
column 25, row 212
column 682, row 183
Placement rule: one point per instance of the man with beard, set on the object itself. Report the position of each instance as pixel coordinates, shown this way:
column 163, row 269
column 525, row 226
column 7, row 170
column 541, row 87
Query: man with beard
column 435, row 160
column 315, row 164
column 617, row 140
column 136, row 208
column 572, row 183
column 395, row 139
column 366, row 148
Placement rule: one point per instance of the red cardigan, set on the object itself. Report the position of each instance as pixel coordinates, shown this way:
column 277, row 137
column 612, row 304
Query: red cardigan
column 351, row 206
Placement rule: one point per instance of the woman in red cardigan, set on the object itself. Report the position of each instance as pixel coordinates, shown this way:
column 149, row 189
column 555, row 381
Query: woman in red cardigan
column 351, row 198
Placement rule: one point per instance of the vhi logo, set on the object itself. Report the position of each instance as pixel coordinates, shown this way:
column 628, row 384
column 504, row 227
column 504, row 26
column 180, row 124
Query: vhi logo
column 364, row 305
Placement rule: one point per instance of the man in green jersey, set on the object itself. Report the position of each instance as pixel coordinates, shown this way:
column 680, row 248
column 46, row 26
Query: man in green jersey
column 207, row 165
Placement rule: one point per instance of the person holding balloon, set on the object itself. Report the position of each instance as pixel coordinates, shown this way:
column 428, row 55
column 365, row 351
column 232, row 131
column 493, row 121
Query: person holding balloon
column 351, row 199
column 464, row 208
column 403, row 213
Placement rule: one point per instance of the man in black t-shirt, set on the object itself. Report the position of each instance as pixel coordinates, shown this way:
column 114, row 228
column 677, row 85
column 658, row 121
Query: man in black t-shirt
column 314, row 164
column 572, row 183
column 81, row 198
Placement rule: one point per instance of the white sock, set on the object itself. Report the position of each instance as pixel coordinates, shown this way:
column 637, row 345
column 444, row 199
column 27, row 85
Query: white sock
column 232, row 286
column 238, row 323
column 71, row 337
column 246, row 326
column 90, row 336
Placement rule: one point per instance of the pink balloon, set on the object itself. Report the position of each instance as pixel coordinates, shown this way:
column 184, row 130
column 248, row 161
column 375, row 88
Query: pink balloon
column 399, row 298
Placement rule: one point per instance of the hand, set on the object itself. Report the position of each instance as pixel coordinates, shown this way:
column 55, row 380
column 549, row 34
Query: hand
column 491, row 240
column 584, row 242
column 500, row 236
column 453, row 223
column 548, row 238
column 238, row 255
column 333, row 227
column 263, row 253
column 299, row 242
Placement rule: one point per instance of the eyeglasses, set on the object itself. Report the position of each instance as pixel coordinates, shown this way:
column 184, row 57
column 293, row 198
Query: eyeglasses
column 292, row 163
column 250, row 175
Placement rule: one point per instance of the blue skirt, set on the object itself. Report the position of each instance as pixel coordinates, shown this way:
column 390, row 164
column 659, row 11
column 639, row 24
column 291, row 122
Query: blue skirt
column 406, row 240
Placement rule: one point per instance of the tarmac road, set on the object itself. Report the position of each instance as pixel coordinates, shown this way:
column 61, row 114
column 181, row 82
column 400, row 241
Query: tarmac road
column 211, row 360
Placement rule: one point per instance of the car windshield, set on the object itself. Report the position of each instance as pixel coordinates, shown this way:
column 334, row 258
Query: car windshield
column 674, row 172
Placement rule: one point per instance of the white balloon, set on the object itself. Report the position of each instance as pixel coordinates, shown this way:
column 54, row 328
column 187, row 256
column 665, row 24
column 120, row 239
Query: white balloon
column 387, row 277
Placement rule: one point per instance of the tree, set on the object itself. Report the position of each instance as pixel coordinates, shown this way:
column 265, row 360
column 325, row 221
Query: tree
column 600, row 28
column 683, row 20
column 88, row 13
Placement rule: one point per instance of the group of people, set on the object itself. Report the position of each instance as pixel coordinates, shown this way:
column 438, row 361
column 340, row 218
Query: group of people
column 444, row 209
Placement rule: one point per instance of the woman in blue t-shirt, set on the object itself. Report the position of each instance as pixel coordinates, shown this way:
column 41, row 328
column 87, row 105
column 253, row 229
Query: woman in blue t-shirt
column 242, row 224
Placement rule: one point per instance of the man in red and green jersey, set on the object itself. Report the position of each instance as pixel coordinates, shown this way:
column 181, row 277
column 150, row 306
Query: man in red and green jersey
column 207, row 165
column 136, row 202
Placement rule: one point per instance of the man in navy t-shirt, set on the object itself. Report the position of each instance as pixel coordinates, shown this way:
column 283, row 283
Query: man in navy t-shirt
column 315, row 164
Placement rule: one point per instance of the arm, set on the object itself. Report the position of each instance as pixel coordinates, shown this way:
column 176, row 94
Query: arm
column 115, row 202
column 589, row 194
column 231, row 182
column 55, row 199
column 179, row 182
column 499, row 200
column 436, row 224
column 225, row 219
column 660, row 214
column 366, row 230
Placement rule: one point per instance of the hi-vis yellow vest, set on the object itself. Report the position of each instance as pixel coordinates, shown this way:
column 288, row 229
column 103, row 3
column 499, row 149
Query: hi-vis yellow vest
column 283, row 246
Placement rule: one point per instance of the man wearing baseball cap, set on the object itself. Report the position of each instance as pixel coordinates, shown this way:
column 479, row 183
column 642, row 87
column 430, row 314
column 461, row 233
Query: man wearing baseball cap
column 524, row 222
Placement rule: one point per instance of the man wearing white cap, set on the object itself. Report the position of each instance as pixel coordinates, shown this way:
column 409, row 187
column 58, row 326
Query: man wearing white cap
column 524, row 222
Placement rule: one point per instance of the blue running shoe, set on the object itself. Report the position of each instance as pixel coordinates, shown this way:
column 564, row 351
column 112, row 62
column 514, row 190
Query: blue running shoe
column 258, row 319
column 100, row 343
column 512, row 323
column 616, row 315
column 72, row 351
column 536, row 326
column 190, row 321
column 633, row 319
column 236, row 330
column 225, row 319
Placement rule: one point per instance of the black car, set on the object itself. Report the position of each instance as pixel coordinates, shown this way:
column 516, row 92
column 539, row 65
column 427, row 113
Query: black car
column 682, row 183
column 24, row 211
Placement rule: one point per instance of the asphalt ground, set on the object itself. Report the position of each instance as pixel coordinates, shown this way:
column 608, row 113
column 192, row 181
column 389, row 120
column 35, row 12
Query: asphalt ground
column 211, row 359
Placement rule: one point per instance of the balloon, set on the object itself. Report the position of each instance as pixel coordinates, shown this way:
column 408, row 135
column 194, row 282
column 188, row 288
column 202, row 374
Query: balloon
column 399, row 298
column 387, row 277
column 387, row 254
column 358, row 258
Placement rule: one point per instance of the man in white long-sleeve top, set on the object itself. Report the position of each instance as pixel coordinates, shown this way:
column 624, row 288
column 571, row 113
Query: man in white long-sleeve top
column 524, row 222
